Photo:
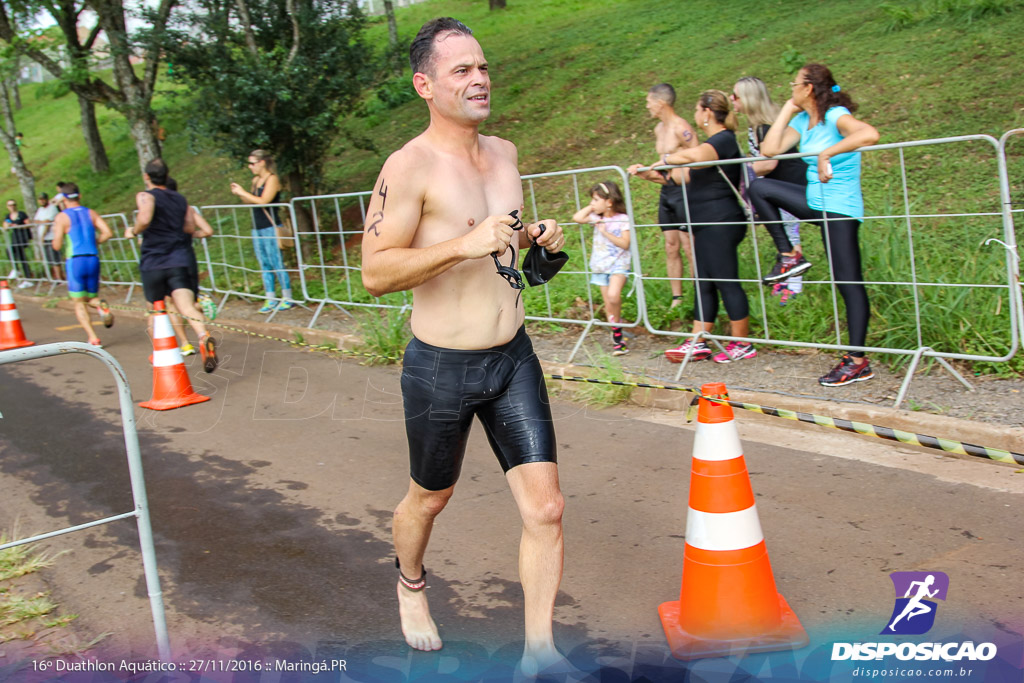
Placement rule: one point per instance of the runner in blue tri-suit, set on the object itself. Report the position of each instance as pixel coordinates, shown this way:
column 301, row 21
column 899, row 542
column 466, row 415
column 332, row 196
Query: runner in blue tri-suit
column 85, row 230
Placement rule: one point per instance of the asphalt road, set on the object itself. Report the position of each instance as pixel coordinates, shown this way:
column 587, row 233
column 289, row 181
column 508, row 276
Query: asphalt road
column 271, row 507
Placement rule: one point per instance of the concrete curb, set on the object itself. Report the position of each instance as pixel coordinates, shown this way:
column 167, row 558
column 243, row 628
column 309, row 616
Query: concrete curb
column 979, row 433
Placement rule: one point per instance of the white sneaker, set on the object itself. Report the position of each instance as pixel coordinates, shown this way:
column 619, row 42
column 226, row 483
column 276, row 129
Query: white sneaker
column 23, row 284
column 12, row 275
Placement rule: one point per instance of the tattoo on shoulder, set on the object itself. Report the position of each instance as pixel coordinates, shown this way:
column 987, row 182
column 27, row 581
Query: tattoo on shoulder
column 687, row 135
column 378, row 216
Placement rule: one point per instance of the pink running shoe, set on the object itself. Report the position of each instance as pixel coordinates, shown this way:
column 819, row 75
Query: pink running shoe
column 677, row 355
column 735, row 351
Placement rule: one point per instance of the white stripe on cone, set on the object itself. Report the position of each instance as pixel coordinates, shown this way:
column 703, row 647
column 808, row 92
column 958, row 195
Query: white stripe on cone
column 162, row 359
column 723, row 530
column 8, row 316
column 6, row 297
column 717, row 441
column 162, row 327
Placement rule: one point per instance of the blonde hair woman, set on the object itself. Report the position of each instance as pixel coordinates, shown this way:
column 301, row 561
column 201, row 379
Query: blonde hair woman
column 266, row 189
column 750, row 97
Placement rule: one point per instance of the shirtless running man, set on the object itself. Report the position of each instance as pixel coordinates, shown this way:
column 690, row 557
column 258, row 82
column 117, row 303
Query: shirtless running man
column 671, row 134
column 440, row 207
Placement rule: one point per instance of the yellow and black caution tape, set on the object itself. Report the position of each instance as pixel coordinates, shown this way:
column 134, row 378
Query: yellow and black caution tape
column 328, row 348
column 948, row 445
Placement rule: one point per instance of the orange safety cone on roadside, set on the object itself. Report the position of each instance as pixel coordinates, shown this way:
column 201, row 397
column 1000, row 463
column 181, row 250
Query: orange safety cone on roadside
column 728, row 603
column 171, row 386
column 12, row 336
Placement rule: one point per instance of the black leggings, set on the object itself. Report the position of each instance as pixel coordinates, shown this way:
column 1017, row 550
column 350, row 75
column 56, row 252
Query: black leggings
column 714, row 251
column 841, row 245
column 19, row 255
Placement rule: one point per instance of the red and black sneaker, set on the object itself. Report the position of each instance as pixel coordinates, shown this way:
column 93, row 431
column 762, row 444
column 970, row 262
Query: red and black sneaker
column 208, row 350
column 847, row 372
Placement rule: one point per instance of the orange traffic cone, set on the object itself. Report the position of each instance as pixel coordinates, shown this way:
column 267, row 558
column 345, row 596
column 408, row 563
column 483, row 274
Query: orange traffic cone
column 11, row 334
column 728, row 603
column 171, row 387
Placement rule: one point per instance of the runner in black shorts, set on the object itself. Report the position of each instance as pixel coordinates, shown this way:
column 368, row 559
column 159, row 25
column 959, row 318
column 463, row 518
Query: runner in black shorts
column 165, row 222
column 444, row 208
column 444, row 388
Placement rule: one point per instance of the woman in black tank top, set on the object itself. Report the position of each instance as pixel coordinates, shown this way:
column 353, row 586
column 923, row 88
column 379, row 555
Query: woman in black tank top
column 266, row 189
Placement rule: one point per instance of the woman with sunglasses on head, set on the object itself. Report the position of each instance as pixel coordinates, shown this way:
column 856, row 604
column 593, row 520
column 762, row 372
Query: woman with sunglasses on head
column 819, row 116
column 750, row 98
column 266, row 189
column 718, row 227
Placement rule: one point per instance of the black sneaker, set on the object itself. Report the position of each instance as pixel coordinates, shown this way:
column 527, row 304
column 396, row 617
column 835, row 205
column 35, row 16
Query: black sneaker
column 786, row 267
column 847, row 372
column 619, row 349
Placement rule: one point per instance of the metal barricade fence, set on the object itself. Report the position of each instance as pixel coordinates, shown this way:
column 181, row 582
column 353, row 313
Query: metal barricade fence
column 24, row 261
column 539, row 302
column 230, row 255
column 902, row 297
column 896, row 242
column 138, row 483
column 1012, row 170
column 119, row 256
column 328, row 235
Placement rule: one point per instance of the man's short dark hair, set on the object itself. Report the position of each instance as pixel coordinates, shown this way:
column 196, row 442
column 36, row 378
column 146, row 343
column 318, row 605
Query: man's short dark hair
column 421, row 51
column 157, row 171
column 664, row 92
column 69, row 190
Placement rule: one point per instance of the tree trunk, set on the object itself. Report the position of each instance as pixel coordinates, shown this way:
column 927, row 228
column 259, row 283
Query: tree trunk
column 389, row 10
column 147, row 146
column 295, row 184
column 91, row 132
column 26, row 180
column 497, row 4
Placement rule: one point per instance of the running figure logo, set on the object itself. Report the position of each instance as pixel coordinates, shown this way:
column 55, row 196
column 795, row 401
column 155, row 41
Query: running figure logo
column 914, row 613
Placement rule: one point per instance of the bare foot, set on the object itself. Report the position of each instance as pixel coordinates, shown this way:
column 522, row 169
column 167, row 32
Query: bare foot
column 418, row 627
column 545, row 662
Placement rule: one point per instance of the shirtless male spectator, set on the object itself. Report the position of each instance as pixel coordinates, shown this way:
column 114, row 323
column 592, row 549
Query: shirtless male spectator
column 440, row 208
column 671, row 134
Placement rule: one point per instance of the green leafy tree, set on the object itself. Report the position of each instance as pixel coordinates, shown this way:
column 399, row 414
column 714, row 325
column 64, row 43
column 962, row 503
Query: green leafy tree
column 130, row 93
column 271, row 74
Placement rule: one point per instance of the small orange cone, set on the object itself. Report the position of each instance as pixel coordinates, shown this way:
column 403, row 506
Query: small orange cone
column 11, row 334
column 728, row 603
column 171, row 387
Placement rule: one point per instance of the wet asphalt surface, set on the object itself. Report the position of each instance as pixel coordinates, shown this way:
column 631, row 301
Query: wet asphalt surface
column 271, row 508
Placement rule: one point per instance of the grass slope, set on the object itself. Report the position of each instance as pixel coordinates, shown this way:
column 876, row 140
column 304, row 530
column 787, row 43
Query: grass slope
column 569, row 79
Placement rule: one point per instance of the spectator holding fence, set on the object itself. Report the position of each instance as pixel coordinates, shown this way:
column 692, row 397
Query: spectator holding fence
column 266, row 189
column 21, row 239
column 750, row 97
column 609, row 256
column 672, row 133
column 819, row 116
column 43, row 219
column 718, row 225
